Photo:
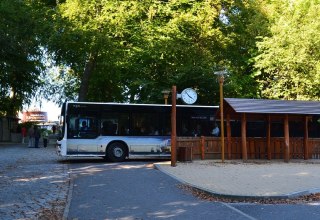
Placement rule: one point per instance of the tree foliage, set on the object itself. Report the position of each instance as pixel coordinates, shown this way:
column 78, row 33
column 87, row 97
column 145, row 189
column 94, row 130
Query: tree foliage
column 129, row 51
column 288, row 62
column 132, row 50
column 20, row 55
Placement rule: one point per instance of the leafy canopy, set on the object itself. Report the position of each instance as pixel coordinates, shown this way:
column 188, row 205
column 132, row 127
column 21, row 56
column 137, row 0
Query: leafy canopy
column 288, row 63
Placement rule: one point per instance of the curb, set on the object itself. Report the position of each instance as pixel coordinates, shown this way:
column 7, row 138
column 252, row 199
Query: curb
column 232, row 196
column 69, row 196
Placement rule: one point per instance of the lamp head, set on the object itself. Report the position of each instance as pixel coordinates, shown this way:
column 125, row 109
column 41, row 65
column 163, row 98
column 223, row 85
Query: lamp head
column 221, row 72
column 165, row 93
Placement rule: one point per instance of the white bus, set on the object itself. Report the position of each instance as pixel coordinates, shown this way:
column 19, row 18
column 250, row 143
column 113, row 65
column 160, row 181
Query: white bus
column 118, row 131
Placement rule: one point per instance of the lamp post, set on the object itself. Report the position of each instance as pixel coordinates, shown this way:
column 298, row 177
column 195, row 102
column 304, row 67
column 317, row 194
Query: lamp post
column 220, row 75
column 165, row 96
column 174, row 127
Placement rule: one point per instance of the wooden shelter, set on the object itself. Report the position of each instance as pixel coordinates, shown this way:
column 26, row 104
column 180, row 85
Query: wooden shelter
column 245, row 110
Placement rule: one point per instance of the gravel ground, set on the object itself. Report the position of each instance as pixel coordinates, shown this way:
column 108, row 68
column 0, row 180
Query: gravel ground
column 33, row 183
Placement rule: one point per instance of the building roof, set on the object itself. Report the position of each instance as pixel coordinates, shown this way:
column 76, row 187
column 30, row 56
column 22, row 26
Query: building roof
column 266, row 106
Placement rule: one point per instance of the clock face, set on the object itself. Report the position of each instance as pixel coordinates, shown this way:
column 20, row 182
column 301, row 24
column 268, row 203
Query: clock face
column 189, row 96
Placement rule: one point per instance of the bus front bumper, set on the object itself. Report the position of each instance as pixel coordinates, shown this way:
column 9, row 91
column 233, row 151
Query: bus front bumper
column 58, row 149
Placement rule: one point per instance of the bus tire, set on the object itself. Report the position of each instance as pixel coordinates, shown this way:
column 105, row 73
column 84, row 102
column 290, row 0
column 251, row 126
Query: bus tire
column 117, row 152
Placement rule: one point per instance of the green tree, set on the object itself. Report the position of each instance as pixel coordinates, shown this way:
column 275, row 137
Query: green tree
column 20, row 55
column 88, row 38
column 288, row 65
column 243, row 23
column 177, row 38
column 132, row 50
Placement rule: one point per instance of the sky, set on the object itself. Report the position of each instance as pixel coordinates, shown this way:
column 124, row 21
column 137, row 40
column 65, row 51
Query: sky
column 52, row 109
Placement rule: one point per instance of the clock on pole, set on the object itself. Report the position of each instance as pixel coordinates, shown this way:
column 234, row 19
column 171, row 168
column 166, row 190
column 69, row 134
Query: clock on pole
column 189, row 96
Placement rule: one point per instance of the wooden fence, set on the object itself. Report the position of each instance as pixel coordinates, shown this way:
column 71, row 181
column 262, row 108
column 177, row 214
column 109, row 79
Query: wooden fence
column 210, row 148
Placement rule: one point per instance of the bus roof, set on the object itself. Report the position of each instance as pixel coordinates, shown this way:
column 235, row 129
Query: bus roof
column 136, row 104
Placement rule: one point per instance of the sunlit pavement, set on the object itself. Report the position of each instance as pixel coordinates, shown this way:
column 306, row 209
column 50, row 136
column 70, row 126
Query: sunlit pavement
column 254, row 179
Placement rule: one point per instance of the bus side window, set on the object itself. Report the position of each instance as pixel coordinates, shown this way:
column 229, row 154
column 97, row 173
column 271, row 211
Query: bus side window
column 153, row 130
column 124, row 131
column 114, row 123
column 145, row 124
column 109, row 128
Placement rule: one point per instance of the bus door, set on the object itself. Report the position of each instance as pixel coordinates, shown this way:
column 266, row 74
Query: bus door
column 82, row 135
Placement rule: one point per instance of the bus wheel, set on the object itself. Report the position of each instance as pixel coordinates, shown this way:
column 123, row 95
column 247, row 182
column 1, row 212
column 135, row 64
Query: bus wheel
column 116, row 152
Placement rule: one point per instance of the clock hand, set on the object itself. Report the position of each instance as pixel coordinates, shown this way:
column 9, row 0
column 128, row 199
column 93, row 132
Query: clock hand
column 189, row 95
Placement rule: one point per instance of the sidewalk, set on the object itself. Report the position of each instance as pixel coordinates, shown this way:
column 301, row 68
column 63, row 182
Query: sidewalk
column 33, row 184
column 51, row 142
column 5, row 143
column 256, row 179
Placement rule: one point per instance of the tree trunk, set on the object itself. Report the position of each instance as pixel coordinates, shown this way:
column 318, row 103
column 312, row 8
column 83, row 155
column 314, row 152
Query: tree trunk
column 90, row 65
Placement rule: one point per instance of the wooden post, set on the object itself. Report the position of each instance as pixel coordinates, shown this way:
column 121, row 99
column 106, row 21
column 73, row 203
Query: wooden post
column 306, row 137
column 202, row 142
column 244, row 136
column 229, row 136
column 173, row 127
column 269, row 138
column 286, row 139
column 221, row 79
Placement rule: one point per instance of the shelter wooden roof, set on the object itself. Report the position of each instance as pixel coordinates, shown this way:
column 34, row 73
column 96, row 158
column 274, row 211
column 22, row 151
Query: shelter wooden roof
column 277, row 108
column 267, row 110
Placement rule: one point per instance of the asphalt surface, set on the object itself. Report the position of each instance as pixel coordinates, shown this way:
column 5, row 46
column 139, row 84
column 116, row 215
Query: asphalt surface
column 135, row 190
column 36, row 184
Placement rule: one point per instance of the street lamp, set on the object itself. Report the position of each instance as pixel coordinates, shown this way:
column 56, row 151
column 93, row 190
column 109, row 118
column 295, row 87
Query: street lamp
column 165, row 96
column 220, row 75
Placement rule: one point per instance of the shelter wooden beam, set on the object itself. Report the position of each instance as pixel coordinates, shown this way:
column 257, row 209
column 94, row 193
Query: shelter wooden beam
column 244, row 136
column 269, row 137
column 306, row 137
column 286, row 139
column 202, row 143
column 229, row 136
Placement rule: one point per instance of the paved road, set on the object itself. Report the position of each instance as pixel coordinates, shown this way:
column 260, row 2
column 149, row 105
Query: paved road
column 134, row 190
column 280, row 211
column 33, row 185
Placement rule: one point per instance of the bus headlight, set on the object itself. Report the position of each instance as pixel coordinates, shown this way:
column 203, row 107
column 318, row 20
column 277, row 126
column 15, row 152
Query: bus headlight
column 58, row 148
